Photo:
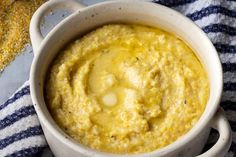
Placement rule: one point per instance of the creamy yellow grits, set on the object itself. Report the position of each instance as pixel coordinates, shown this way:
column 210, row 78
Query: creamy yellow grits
column 126, row 89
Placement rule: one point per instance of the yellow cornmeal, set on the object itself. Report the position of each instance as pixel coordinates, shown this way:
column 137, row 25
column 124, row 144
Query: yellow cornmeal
column 15, row 17
column 126, row 89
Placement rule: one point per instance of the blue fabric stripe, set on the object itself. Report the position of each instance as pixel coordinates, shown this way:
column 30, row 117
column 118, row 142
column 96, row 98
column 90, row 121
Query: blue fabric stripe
column 229, row 86
column 17, row 115
column 233, row 125
column 220, row 28
column 28, row 152
column 19, row 94
column 29, row 132
column 229, row 67
column 233, row 147
column 228, row 105
column 211, row 10
column 224, row 48
column 173, row 3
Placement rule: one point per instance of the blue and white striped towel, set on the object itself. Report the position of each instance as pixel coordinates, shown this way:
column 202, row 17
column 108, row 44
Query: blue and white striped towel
column 20, row 132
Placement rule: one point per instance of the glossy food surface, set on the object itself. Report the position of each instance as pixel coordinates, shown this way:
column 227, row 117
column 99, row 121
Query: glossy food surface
column 126, row 89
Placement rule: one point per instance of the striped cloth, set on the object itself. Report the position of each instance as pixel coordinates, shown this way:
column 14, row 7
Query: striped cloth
column 20, row 131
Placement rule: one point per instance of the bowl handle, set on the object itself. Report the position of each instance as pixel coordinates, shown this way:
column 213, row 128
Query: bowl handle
column 220, row 123
column 35, row 33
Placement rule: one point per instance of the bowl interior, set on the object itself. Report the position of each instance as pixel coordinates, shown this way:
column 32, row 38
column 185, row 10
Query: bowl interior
column 125, row 12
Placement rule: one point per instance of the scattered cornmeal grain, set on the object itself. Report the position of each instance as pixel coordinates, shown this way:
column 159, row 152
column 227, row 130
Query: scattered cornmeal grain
column 15, row 17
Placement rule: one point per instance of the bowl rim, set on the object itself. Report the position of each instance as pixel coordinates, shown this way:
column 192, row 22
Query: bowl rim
column 197, row 129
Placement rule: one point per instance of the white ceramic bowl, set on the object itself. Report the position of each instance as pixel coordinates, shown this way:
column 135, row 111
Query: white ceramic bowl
column 85, row 19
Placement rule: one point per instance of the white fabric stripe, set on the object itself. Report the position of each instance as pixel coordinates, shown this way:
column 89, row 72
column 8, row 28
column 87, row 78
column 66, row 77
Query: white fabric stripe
column 198, row 5
column 23, row 144
column 19, row 103
column 228, row 57
column 231, row 115
column 222, row 38
column 229, row 96
column 216, row 18
column 229, row 77
column 19, row 126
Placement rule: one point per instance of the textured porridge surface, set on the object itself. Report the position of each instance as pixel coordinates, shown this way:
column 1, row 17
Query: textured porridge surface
column 126, row 89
